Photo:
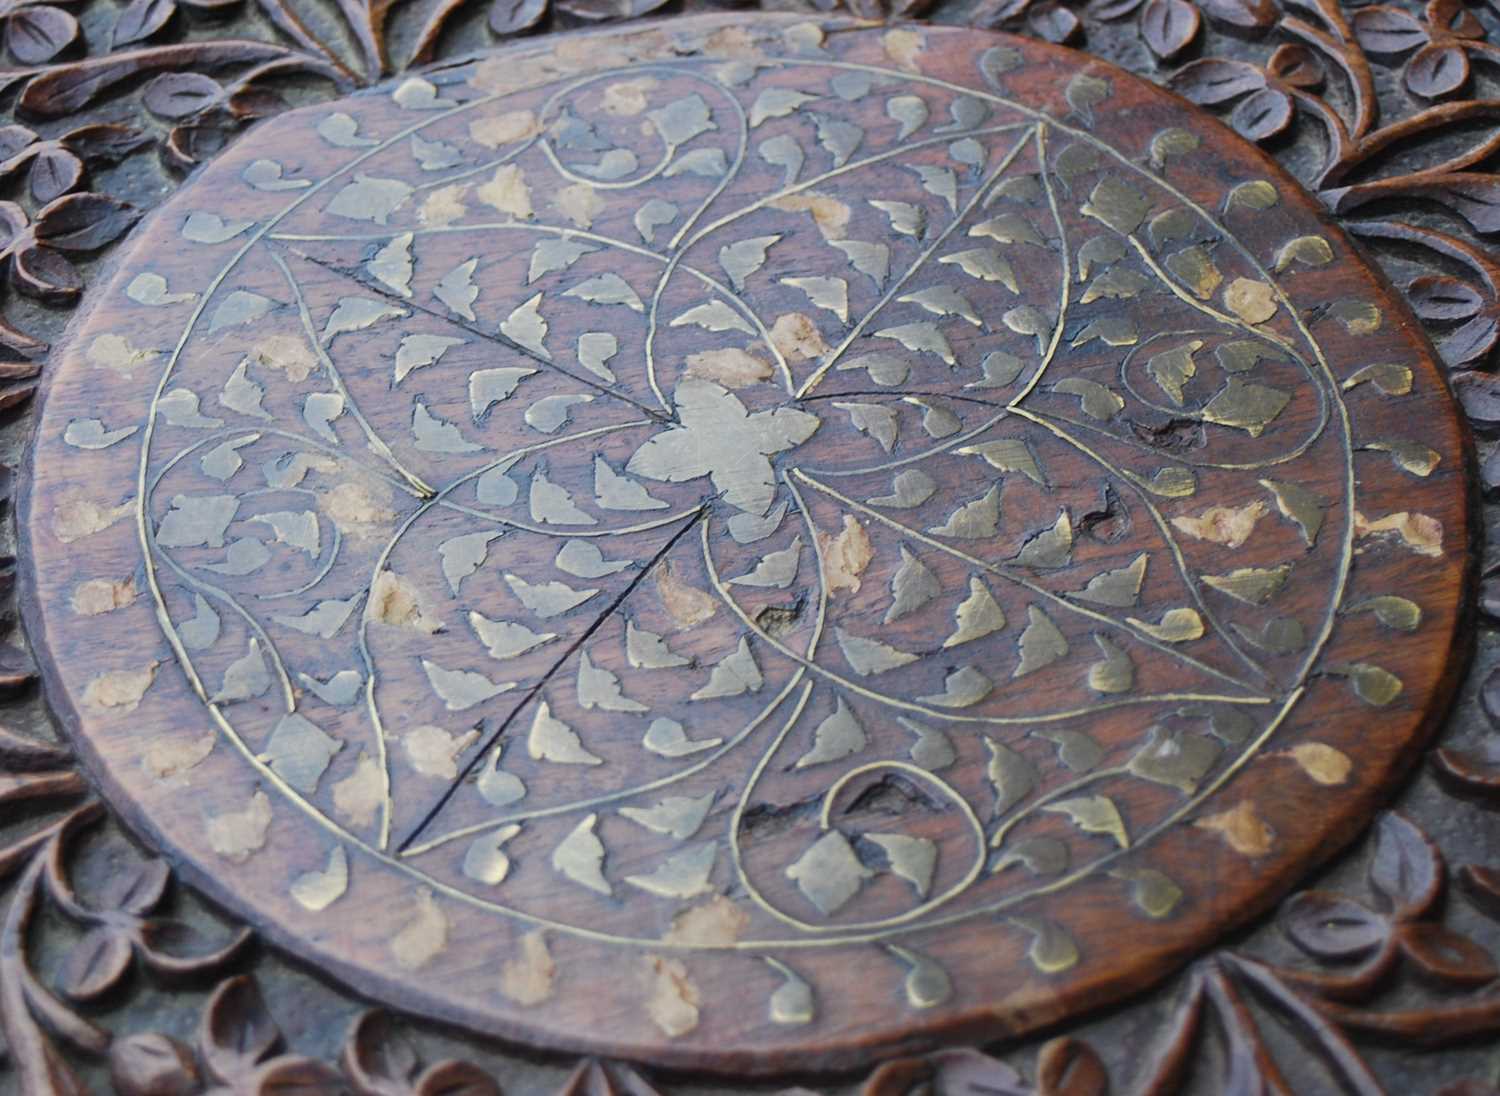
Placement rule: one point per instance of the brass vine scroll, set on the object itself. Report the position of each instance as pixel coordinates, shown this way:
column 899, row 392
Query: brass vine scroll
column 747, row 542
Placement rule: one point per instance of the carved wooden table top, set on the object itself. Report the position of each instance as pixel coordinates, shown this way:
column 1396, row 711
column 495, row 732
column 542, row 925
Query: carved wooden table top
column 747, row 544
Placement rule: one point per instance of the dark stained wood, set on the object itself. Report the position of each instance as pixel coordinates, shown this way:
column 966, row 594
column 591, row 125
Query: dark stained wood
column 746, row 546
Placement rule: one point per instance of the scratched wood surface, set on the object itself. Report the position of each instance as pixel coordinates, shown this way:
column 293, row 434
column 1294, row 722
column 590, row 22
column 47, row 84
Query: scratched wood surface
column 869, row 538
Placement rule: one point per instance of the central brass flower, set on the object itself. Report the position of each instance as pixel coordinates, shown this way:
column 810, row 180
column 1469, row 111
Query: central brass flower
column 720, row 438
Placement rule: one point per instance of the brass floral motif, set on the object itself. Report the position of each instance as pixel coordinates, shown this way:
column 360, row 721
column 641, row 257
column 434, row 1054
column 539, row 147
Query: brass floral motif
column 524, row 448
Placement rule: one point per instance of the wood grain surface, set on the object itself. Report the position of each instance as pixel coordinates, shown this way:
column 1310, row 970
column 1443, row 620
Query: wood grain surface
column 747, row 544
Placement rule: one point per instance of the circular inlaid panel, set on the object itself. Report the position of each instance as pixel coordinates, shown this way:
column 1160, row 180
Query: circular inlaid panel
column 745, row 545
